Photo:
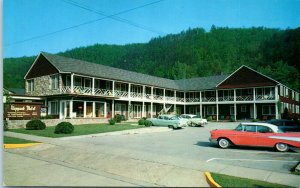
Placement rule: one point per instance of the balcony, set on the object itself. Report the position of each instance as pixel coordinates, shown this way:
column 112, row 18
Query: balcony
column 192, row 100
column 208, row 99
column 244, row 98
column 264, row 97
column 226, row 98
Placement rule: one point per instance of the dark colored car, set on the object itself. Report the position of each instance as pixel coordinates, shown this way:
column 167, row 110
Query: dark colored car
column 285, row 125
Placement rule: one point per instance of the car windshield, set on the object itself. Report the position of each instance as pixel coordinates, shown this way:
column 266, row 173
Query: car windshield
column 239, row 127
column 174, row 118
column 196, row 116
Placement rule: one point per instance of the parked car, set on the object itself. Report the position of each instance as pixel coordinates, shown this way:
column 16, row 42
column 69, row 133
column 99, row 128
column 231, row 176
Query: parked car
column 285, row 125
column 256, row 134
column 172, row 121
column 194, row 120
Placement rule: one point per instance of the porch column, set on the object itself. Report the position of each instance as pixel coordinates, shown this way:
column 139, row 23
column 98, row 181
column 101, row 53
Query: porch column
column 276, row 111
column 84, row 109
column 201, row 110
column 93, row 86
column 129, row 106
column 72, row 82
column 254, row 111
column 129, row 86
column 151, row 109
column 105, row 110
column 234, row 111
column 254, row 94
column 151, row 93
column 234, row 95
column 143, row 109
column 144, row 92
column 94, row 111
column 113, row 88
column 113, row 109
column 175, row 112
column 200, row 96
column 184, row 109
column 217, row 101
column 164, row 97
column 71, row 109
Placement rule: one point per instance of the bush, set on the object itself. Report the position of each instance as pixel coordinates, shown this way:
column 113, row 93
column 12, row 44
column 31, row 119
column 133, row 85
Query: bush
column 144, row 118
column 232, row 119
column 111, row 121
column 209, row 118
column 147, row 123
column 5, row 125
column 35, row 124
column 141, row 122
column 118, row 118
column 64, row 128
column 255, row 120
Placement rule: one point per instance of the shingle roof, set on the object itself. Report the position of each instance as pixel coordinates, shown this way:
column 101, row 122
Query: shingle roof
column 71, row 65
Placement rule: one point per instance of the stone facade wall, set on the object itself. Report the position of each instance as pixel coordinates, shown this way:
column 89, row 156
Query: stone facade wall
column 14, row 124
column 42, row 86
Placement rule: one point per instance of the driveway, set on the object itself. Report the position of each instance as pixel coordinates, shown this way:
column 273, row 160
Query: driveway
column 165, row 158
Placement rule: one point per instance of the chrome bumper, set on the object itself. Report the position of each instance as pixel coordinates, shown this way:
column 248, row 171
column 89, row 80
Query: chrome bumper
column 214, row 141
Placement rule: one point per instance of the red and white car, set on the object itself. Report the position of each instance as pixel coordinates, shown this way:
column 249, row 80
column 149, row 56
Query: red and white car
column 256, row 134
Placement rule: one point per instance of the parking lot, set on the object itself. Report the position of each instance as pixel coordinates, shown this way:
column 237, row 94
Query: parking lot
column 154, row 154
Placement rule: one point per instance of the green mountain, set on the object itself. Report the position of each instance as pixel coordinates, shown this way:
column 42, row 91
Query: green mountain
column 191, row 53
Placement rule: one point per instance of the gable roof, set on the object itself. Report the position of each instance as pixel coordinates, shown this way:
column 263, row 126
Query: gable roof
column 200, row 83
column 246, row 77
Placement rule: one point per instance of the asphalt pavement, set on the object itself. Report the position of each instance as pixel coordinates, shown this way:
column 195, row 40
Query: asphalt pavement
column 155, row 156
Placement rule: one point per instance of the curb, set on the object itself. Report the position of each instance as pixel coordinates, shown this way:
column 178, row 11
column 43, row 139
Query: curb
column 12, row 146
column 211, row 182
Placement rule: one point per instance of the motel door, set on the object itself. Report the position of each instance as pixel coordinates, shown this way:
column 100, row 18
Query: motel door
column 137, row 111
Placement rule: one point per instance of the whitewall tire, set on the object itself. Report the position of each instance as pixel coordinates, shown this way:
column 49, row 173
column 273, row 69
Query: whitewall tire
column 224, row 143
column 282, row 147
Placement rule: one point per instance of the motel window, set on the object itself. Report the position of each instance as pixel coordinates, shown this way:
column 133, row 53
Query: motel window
column 53, row 107
column 250, row 91
column 243, row 108
column 68, row 80
column 268, row 109
column 97, row 83
column 211, row 110
column 87, row 83
column 30, row 85
column 281, row 90
column 54, row 81
column 78, row 81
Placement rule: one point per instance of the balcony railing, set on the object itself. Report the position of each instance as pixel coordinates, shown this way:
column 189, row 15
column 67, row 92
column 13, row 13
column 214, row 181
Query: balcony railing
column 208, row 99
column 158, row 97
column 264, row 97
column 168, row 98
column 136, row 95
column 226, row 98
column 178, row 99
column 119, row 93
column 192, row 100
column 124, row 94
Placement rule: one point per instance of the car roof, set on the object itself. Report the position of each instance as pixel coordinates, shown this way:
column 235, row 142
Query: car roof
column 273, row 127
column 189, row 114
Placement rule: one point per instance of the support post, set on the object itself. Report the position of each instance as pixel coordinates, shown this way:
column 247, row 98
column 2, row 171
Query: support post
column 151, row 109
column 254, row 111
column 143, row 109
column 129, row 87
column 217, row 101
column 113, row 109
column 234, row 111
column 93, row 86
column 184, row 108
column 71, row 109
column 84, row 109
column 72, row 82
column 129, row 107
column 113, row 88
column 94, row 110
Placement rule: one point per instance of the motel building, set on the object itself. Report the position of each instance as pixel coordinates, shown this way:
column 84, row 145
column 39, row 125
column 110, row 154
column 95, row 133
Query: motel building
column 73, row 89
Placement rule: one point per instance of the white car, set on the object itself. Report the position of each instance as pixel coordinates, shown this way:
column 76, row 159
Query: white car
column 171, row 121
column 194, row 120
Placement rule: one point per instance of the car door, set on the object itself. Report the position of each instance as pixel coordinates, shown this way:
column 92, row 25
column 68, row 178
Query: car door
column 263, row 136
column 246, row 136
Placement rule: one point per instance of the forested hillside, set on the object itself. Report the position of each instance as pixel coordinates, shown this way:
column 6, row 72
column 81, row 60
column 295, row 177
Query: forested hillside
column 191, row 53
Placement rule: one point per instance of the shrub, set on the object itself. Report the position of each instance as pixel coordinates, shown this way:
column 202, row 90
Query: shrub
column 209, row 118
column 111, row 121
column 147, row 123
column 35, row 124
column 232, row 119
column 118, row 118
column 144, row 118
column 5, row 125
column 64, row 128
column 141, row 122
column 255, row 120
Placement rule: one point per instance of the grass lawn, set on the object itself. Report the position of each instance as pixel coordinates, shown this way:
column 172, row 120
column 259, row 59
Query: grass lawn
column 79, row 130
column 12, row 140
column 231, row 181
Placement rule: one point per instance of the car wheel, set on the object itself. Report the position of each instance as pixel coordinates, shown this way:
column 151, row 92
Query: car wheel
column 192, row 124
column 224, row 143
column 170, row 126
column 282, row 147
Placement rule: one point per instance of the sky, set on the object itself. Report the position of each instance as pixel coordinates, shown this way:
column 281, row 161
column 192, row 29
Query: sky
column 32, row 26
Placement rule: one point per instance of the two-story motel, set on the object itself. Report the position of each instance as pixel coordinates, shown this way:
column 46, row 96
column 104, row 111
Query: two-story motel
column 77, row 89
